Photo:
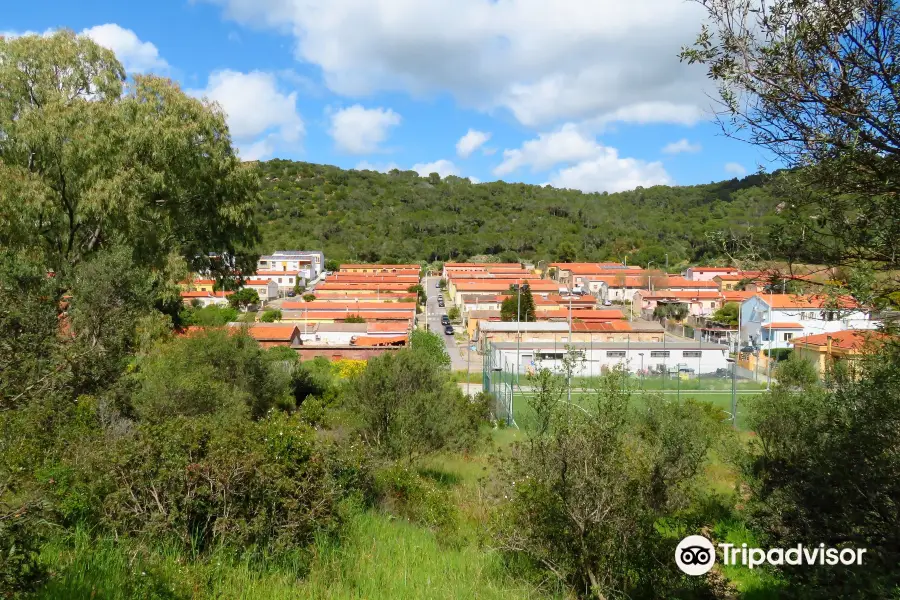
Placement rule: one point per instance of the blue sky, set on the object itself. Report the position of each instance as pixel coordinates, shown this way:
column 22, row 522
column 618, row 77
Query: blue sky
column 576, row 93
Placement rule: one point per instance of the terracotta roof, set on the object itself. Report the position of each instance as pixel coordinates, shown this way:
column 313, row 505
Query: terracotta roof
column 205, row 294
column 277, row 333
column 350, row 286
column 736, row 296
column 319, row 305
column 805, row 301
column 585, row 314
column 537, row 285
column 366, row 340
column 749, row 275
column 335, row 296
column 388, row 327
column 679, row 282
column 601, row 326
column 340, row 315
column 257, row 282
column 782, row 326
column 849, row 339
column 680, row 295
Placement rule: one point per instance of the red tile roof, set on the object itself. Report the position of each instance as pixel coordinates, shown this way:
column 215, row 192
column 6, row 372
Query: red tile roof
column 783, row 326
column 366, row 340
column 601, row 326
column 278, row 273
column 681, row 295
column 272, row 333
column 805, row 301
column 387, row 327
column 584, row 314
column 195, row 294
column 850, row 339
column 319, row 305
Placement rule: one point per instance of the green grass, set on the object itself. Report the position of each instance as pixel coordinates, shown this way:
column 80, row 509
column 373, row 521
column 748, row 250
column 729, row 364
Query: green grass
column 523, row 414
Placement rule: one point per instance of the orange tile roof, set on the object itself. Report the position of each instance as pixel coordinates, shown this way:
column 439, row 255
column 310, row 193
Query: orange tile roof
column 340, row 315
column 337, row 285
column 537, row 285
column 680, row 295
column 584, row 314
column 677, row 282
column 408, row 267
column 750, row 275
column 195, row 294
column 849, row 339
column 203, row 282
column 601, row 326
column 783, row 326
column 335, row 296
column 387, row 327
column 318, row 305
column 257, row 282
column 272, row 333
column 804, row 301
column 367, row 340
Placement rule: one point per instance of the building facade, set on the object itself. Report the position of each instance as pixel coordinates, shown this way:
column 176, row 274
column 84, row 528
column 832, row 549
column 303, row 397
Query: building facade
column 306, row 264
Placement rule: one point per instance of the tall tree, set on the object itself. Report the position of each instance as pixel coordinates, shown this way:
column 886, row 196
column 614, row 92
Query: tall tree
column 815, row 84
column 91, row 160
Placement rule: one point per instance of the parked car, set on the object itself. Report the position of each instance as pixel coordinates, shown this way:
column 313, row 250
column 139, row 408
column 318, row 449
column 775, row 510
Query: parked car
column 445, row 320
column 448, row 330
column 438, row 285
column 607, row 303
column 291, row 294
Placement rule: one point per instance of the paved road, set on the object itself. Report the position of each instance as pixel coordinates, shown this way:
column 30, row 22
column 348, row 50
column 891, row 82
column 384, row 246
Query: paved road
column 458, row 353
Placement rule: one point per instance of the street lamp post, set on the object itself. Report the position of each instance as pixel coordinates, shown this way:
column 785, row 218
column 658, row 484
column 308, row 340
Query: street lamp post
column 641, row 354
column 733, row 364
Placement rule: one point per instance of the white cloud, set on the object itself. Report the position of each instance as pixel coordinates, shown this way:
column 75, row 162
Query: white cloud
column 359, row 130
column 586, row 164
column 442, row 167
column 736, row 169
column 136, row 56
column 472, row 141
column 610, row 173
column 546, row 61
column 682, row 146
column 565, row 145
column 261, row 118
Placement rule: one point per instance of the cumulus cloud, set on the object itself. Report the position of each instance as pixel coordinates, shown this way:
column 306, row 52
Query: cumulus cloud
column 136, row 56
column 584, row 163
column 736, row 169
column 472, row 141
column 359, row 130
column 608, row 172
column 565, row 145
column 682, row 146
column 261, row 118
column 545, row 61
column 442, row 167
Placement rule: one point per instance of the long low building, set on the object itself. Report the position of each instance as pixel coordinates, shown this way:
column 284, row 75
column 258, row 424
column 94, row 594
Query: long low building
column 558, row 334
column 669, row 356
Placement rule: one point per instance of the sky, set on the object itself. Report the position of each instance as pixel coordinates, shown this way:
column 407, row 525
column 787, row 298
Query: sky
column 582, row 94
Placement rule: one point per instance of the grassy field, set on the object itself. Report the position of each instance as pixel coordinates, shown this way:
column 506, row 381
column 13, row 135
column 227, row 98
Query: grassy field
column 523, row 415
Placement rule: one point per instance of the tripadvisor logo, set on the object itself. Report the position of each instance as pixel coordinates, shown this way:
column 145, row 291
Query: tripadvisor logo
column 696, row 555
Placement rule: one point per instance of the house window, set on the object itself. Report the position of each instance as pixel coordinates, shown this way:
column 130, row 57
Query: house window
column 279, row 280
column 788, row 336
column 549, row 355
column 692, row 354
column 615, row 354
column 659, row 354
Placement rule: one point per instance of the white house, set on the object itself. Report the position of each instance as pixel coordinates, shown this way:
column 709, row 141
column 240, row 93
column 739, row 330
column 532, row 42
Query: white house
column 772, row 320
column 671, row 355
column 266, row 288
column 205, row 298
column 307, row 264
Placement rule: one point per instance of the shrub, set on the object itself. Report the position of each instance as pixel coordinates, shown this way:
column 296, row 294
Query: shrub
column 20, row 538
column 309, row 297
column 408, row 406
column 209, row 316
column 402, row 491
column 270, row 316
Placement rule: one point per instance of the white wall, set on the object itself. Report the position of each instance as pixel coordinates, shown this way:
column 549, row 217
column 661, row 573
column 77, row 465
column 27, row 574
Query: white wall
column 594, row 360
column 755, row 313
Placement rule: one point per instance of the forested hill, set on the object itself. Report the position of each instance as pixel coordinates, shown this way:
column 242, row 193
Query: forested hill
column 401, row 217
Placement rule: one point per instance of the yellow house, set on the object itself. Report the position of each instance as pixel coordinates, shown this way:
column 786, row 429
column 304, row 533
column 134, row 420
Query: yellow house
column 825, row 349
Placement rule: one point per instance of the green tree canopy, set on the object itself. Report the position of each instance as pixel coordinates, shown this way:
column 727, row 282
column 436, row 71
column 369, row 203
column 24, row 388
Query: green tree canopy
column 91, row 160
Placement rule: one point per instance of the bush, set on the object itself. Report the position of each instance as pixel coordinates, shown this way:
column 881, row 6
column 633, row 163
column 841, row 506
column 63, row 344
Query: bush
column 778, row 354
column 214, row 372
column 404, row 492
column 408, row 406
column 209, row 316
column 20, row 568
column 309, row 297
column 270, row 316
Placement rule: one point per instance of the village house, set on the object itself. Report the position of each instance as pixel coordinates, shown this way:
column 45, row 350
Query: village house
column 773, row 320
column 305, row 264
column 709, row 273
column 266, row 289
column 827, row 350
column 698, row 303
column 204, row 299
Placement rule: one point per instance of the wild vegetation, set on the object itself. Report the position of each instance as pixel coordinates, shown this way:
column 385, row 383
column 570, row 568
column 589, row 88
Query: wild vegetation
column 138, row 460
column 394, row 217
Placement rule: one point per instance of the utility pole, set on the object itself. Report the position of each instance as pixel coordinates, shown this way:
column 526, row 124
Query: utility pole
column 518, row 326
column 667, row 262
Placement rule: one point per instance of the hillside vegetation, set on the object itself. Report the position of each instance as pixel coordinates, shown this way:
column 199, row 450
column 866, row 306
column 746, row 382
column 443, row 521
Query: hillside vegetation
column 400, row 216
